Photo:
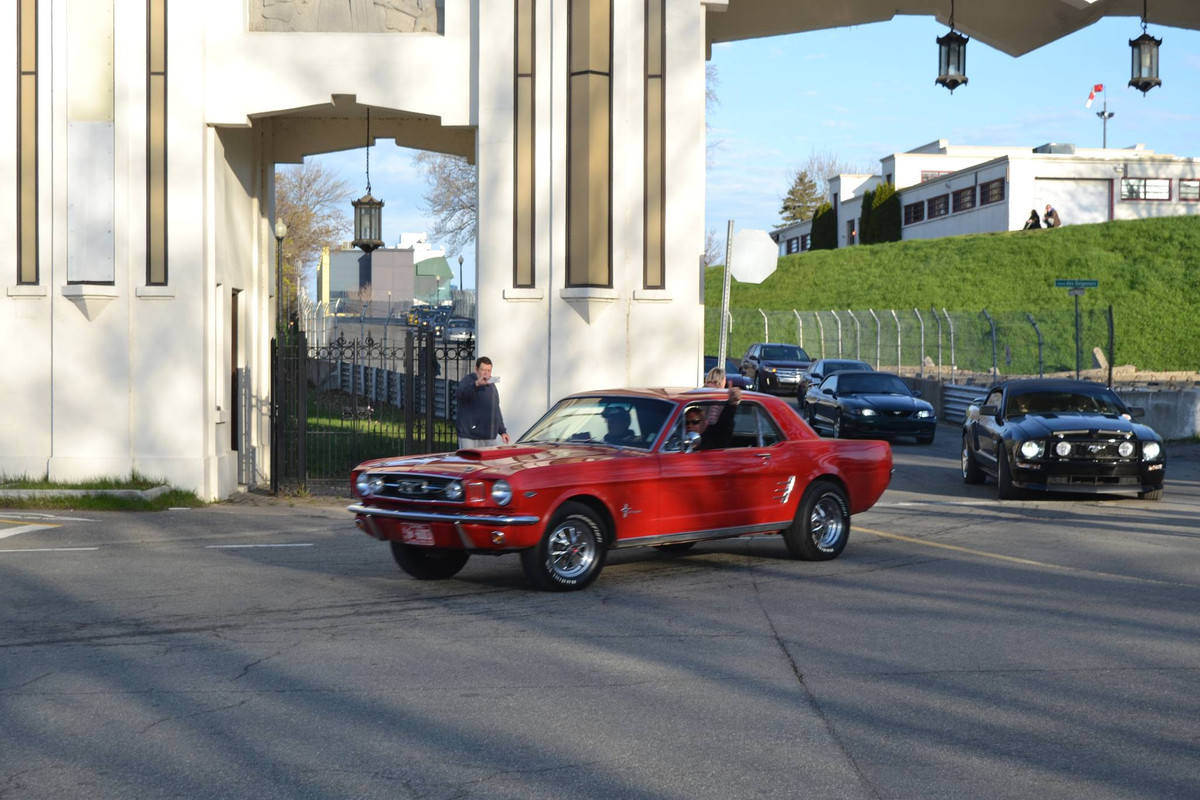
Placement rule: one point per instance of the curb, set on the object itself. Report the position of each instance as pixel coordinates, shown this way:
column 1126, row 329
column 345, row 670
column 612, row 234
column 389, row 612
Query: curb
column 124, row 494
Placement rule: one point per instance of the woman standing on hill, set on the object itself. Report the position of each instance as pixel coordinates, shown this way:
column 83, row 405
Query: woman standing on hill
column 1034, row 221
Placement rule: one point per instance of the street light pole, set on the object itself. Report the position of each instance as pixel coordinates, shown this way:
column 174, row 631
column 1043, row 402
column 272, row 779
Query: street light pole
column 460, row 278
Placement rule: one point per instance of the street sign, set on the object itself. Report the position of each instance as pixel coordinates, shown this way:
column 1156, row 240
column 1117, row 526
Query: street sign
column 1076, row 291
column 1075, row 283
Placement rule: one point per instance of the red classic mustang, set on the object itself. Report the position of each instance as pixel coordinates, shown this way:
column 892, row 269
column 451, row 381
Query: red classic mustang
column 623, row 468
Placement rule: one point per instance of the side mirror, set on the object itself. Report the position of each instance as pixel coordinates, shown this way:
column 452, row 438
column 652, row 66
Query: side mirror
column 989, row 411
column 828, row 391
column 916, row 392
column 1135, row 411
column 691, row 440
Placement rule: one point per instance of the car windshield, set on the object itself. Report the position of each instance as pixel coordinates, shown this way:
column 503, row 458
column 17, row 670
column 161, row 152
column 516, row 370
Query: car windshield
column 783, row 352
column 607, row 420
column 1064, row 401
column 871, row 384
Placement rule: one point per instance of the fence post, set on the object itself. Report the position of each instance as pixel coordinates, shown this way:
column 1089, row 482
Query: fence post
column 857, row 336
column 839, row 326
column 992, row 323
column 820, row 331
column 799, row 329
column 1028, row 316
column 766, row 326
column 898, row 357
column 878, row 338
column 921, row 366
column 938, row 320
column 1110, row 345
column 953, row 360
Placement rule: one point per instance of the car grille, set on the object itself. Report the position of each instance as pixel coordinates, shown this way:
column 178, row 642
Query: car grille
column 788, row 374
column 414, row 487
column 1094, row 449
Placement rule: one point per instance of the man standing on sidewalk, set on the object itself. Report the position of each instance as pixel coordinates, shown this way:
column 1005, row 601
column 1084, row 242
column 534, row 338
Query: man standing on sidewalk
column 480, row 423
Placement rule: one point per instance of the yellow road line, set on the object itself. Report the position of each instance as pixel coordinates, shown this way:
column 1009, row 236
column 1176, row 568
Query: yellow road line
column 900, row 538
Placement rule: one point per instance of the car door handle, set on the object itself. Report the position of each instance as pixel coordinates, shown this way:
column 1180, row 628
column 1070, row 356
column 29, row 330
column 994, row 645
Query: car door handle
column 763, row 456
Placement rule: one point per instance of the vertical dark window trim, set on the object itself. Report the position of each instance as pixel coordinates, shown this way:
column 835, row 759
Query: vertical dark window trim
column 28, row 272
column 524, row 141
column 580, row 274
column 156, row 142
column 654, row 232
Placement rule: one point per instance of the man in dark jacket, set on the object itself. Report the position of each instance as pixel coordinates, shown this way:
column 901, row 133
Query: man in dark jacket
column 480, row 423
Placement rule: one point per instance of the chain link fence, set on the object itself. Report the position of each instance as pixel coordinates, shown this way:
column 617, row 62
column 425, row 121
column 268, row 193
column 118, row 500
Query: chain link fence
column 933, row 342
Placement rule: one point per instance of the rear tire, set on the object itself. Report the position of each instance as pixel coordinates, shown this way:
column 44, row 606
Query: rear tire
column 838, row 432
column 570, row 554
column 428, row 563
column 822, row 525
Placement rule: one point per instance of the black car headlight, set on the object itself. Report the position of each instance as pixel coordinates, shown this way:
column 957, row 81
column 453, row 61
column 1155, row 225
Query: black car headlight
column 924, row 413
column 1031, row 449
column 867, row 412
column 1125, row 449
column 1151, row 451
column 1062, row 449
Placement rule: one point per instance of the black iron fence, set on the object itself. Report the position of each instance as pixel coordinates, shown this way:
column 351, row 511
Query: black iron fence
column 342, row 401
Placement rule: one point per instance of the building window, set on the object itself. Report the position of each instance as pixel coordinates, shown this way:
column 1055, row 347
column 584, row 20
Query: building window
column 27, row 154
column 939, row 206
column 793, row 245
column 1189, row 190
column 964, row 199
column 991, row 192
column 928, row 175
column 523, row 145
column 156, row 143
column 655, row 143
column 589, row 143
column 914, row 212
column 805, row 242
column 1145, row 189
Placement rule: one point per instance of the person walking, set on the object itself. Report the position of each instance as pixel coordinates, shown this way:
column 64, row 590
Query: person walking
column 480, row 423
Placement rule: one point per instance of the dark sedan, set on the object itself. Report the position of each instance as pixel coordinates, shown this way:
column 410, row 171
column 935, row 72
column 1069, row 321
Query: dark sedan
column 733, row 376
column 774, row 368
column 878, row 405
column 821, row 369
column 1060, row 436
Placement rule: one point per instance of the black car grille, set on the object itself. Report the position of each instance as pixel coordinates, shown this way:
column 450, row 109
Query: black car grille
column 414, row 487
column 1094, row 449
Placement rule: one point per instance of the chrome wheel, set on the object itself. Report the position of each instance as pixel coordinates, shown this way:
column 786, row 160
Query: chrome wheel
column 571, row 553
column 822, row 524
column 571, row 550
column 826, row 525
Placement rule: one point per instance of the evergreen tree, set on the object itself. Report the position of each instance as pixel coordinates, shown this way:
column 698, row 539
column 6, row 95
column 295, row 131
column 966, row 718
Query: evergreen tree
column 801, row 200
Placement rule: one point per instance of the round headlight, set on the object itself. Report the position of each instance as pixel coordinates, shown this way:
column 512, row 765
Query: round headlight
column 1151, row 450
column 368, row 484
column 501, row 493
column 454, row 490
column 1030, row 449
column 1125, row 449
column 1063, row 449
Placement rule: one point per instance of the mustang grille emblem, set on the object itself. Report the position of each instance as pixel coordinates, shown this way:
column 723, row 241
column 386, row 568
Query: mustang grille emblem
column 413, row 487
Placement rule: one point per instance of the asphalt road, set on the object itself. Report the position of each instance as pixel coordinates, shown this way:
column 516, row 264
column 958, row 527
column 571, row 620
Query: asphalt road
column 960, row 648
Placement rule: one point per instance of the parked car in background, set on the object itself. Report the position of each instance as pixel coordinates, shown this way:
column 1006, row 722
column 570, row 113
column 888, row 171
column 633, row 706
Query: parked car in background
column 821, row 369
column 773, row 367
column 1054, row 435
column 733, row 375
column 459, row 329
column 614, row 469
column 878, row 405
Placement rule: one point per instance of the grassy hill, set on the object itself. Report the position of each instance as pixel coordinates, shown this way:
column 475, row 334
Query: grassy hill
column 1148, row 271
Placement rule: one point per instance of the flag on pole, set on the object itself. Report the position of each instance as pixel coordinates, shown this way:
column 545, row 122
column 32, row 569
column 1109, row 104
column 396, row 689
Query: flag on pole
column 1099, row 87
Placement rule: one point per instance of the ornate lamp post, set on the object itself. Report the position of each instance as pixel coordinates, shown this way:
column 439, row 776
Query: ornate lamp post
column 952, row 57
column 280, row 235
column 1143, row 72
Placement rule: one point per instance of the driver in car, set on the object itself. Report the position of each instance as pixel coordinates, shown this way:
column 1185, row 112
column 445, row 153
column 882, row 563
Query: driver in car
column 714, row 435
column 618, row 420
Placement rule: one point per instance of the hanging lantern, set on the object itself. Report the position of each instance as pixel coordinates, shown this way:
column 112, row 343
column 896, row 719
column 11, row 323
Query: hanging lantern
column 1143, row 71
column 368, row 212
column 952, row 57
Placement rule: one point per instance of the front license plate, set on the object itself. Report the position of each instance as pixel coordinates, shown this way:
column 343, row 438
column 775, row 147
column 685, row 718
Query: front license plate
column 416, row 533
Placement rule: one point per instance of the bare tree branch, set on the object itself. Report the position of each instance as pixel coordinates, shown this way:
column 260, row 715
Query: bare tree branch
column 314, row 204
column 452, row 199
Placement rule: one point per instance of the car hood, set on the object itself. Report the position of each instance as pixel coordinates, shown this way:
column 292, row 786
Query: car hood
column 885, row 402
column 498, row 461
column 1036, row 425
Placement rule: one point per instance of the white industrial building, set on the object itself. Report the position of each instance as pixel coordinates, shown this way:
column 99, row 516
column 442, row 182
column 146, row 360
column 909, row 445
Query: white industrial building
column 949, row 190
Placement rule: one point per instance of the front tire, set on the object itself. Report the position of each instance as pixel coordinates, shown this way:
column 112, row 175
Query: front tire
column 428, row 563
column 822, row 525
column 570, row 554
column 838, row 431
column 1004, row 483
column 970, row 470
